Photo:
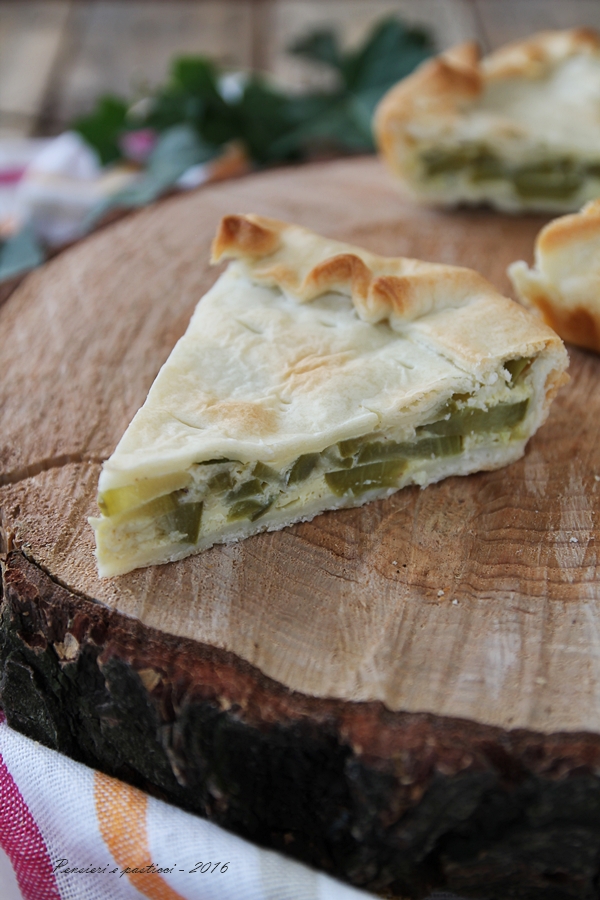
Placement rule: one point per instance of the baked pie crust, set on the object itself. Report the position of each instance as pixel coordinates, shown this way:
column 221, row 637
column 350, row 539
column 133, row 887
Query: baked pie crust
column 518, row 129
column 564, row 284
column 316, row 375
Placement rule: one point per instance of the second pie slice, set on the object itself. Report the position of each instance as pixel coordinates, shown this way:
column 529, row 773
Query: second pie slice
column 518, row 129
column 316, row 375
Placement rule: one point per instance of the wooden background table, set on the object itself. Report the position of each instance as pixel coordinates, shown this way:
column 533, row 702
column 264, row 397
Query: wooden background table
column 57, row 56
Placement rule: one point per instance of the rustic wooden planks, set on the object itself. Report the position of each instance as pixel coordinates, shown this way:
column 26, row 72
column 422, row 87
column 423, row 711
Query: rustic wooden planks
column 84, row 49
column 31, row 35
column 502, row 22
column 125, row 48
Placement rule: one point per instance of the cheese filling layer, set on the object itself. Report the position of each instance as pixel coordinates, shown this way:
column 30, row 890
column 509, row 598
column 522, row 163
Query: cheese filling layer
column 221, row 499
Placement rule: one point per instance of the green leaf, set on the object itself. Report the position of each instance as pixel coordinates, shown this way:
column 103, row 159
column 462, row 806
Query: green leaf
column 391, row 52
column 102, row 128
column 192, row 95
column 273, row 126
column 338, row 126
column 341, row 120
column 362, row 107
column 177, row 150
column 170, row 108
column 195, row 75
column 320, row 45
column 20, row 253
column 263, row 117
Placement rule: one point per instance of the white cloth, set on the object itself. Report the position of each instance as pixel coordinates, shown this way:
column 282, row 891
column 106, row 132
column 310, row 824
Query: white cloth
column 78, row 813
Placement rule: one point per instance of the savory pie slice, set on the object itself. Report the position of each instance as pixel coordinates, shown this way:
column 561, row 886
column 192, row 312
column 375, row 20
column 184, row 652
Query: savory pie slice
column 519, row 129
column 315, row 375
column 564, row 284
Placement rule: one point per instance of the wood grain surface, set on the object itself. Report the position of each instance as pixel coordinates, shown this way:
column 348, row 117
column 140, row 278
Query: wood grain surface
column 476, row 598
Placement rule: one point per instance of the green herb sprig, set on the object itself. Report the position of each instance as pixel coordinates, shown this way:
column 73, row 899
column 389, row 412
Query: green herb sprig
column 192, row 117
column 273, row 126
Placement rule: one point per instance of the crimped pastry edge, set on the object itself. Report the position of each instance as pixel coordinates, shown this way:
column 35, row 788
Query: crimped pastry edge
column 306, row 265
column 563, row 250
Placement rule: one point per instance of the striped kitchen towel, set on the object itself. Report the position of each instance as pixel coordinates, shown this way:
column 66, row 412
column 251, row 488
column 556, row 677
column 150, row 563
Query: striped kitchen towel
column 72, row 833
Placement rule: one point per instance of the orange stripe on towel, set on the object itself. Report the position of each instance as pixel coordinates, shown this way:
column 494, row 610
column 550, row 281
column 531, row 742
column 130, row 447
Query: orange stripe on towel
column 121, row 812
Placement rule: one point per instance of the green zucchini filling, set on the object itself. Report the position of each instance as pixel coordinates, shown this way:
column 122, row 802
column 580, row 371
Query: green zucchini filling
column 302, row 468
column 120, row 500
column 173, row 514
column 360, row 479
column 173, row 505
column 249, row 509
column 516, row 368
column 501, row 417
column 554, row 179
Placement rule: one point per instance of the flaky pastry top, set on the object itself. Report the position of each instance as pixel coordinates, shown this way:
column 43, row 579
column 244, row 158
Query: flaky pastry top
column 445, row 90
column 305, row 341
column 456, row 307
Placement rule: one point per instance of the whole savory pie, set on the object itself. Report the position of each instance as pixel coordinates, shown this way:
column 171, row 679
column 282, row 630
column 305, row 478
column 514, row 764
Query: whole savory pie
column 316, row 375
column 518, row 129
column 564, row 284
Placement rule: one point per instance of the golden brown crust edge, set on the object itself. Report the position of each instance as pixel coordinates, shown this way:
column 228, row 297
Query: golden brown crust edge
column 435, row 88
column 530, row 58
column 306, row 265
column 563, row 286
column 250, row 235
column 441, row 86
column 564, row 232
column 579, row 326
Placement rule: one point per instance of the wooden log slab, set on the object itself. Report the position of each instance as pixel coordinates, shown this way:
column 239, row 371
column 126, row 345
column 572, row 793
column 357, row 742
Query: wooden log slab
column 406, row 695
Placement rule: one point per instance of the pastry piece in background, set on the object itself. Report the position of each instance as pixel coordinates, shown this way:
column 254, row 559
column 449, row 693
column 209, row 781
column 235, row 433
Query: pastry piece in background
column 564, row 284
column 315, row 375
column 518, row 129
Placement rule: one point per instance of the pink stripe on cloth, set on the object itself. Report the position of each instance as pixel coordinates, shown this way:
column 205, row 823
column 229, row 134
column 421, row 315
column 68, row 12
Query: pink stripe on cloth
column 11, row 176
column 22, row 841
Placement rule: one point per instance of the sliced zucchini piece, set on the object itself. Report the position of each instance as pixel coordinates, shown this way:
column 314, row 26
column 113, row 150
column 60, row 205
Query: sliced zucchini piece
column 249, row 509
column 516, row 367
column 265, row 473
column 557, row 180
column 444, row 445
column 352, row 445
column 119, row 500
column 186, row 518
column 468, row 420
column 220, row 482
column 439, row 161
column 246, row 489
column 302, row 468
column 479, row 163
column 487, row 167
column 366, row 478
